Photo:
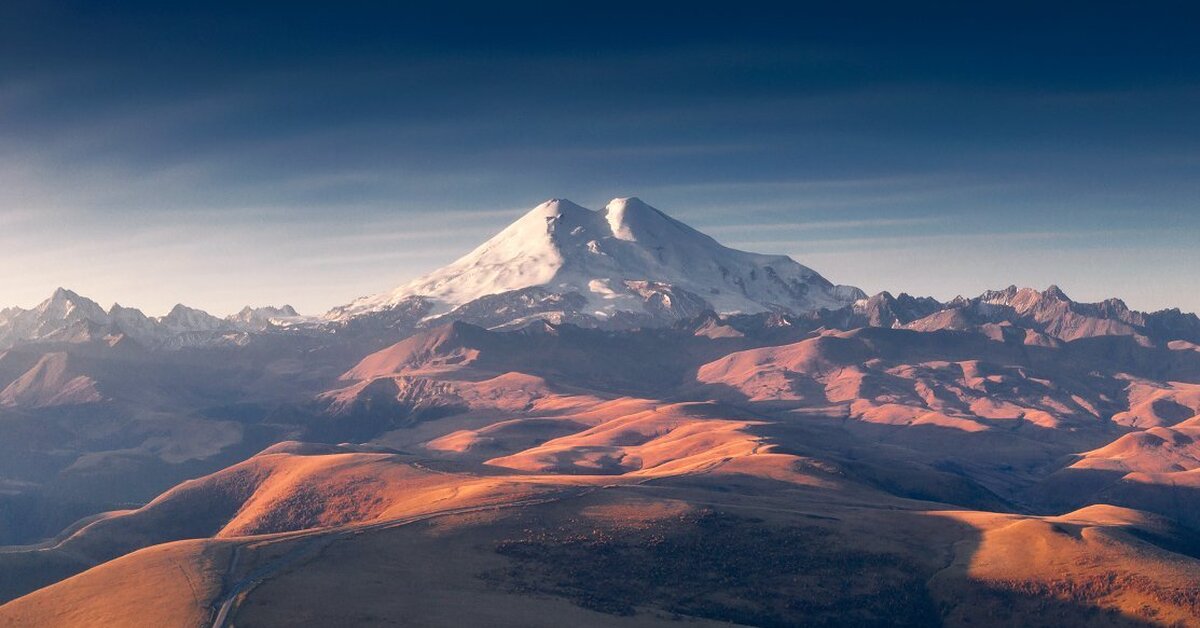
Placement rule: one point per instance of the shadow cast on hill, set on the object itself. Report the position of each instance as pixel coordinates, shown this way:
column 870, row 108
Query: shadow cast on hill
column 728, row 564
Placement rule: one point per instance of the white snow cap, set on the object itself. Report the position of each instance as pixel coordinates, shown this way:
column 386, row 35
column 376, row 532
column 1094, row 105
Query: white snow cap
column 564, row 247
column 626, row 215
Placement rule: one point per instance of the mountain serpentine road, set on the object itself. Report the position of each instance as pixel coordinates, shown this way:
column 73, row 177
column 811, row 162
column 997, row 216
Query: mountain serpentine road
column 314, row 541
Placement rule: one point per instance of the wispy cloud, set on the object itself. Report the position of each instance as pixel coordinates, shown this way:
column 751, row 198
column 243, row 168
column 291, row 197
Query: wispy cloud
column 925, row 180
column 924, row 241
column 819, row 225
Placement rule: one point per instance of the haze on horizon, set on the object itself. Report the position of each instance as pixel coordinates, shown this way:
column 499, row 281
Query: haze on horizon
column 226, row 155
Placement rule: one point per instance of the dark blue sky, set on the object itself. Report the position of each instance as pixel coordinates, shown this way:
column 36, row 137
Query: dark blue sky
column 219, row 154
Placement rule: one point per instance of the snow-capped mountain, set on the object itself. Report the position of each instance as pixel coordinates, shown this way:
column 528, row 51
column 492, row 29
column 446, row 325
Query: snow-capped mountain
column 64, row 317
column 626, row 263
column 260, row 318
column 68, row 317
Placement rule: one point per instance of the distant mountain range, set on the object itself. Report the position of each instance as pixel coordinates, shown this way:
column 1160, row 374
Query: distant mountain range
column 71, row 318
column 627, row 265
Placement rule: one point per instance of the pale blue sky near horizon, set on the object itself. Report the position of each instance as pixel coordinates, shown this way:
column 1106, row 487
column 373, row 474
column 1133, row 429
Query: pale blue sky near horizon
column 153, row 155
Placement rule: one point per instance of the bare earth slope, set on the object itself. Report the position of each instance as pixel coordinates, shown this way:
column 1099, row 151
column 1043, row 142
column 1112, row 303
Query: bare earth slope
column 957, row 475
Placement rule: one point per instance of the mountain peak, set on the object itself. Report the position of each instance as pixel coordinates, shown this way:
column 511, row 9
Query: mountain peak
column 65, row 304
column 180, row 310
column 261, row 318
column 555, row 208
column 630, row 217
column 1056, row 293
column 182, row 318
column 120, row 310
column 65, row 296
column 271, row 310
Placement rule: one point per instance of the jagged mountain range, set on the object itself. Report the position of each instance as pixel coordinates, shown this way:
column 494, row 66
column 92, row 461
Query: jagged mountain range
column 1049, row 312
column 67, row 317
column 625, row 266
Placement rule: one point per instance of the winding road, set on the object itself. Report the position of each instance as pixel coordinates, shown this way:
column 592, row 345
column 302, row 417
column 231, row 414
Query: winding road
column 311, row 544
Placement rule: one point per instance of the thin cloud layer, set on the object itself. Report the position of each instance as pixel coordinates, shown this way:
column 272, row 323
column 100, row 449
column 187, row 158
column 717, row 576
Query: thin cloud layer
column 316, row 154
